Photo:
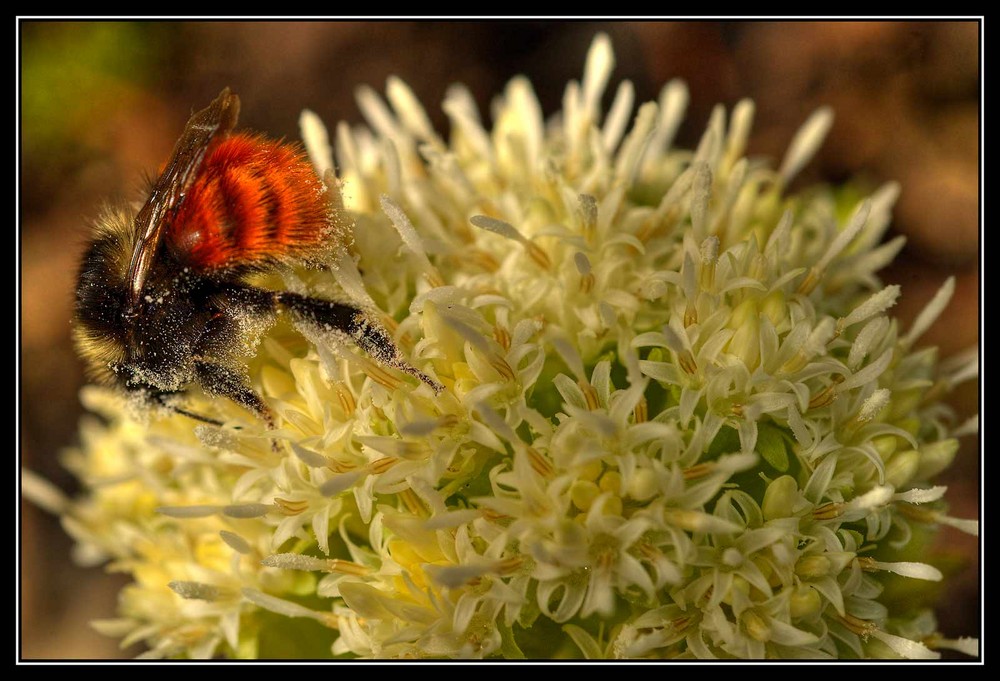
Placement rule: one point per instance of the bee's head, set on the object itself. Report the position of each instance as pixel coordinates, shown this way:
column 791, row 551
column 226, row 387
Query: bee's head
column 148, row 344
column 100, row 331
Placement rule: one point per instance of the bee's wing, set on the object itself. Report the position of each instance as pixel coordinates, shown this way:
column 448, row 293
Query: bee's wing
column 219, row 117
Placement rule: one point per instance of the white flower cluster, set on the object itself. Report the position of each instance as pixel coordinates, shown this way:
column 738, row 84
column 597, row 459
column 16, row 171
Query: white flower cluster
column 677, row 420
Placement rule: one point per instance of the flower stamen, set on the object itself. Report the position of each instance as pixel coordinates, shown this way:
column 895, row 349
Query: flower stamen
column 381, row 376
column 640, row 412
column 827, row 395
column 698, row 470
column 379, row 466
column 346, row 399
column 501, row 366
column 587, row 278
column 856, row 625
column 589, row 394
column 510, row 566
column 539, row 463
column 502, row 336
column 340, row 467
column 687, row 362
column 290, row 507
column 347, row 567
column 505, row 229
column 412, row 502
column 828, row 511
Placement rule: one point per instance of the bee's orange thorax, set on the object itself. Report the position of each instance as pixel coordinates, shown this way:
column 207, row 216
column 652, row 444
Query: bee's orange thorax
column 254, row 201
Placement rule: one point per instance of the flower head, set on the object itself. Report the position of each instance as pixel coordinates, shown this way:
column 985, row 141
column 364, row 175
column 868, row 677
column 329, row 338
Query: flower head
column 676, row 418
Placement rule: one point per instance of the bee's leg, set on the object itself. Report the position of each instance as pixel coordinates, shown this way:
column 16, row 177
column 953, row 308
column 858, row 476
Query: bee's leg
column 363, row 330
column 217, row 365
column 218, row 379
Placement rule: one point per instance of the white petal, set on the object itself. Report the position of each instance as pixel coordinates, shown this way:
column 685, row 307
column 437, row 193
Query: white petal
column 798, row 426
column 452, row 519
column 246, row 510
column 347, row 150
column 786, row 634
column 317, row 141
column 340, row 482
column 677, row 191
column 42, row 492
column 874, row 260
column 831, row 591
column 235, row 541
column 569, row 354
column 676, row 341
column 775, row 242
column 572, row 595
column 700, row 194
column 230, row 626
column 631, row 572
column 875, row 403
column 710, row 146
column 295, row 561
column 673, row 102
column 870, row 335
column 819, row 481
column 964, row 372
column 877, row 496
column 650, row 339
column 847, row 235
column 965, row 644
column 289, row 527
column 698, row 521
column 806, row 143
column 194, row 590
column 321, row 529
column 921, row 496
column 597, row 71
column 496, row 422
column 740, row 124
column 627, row 161
column 409, row 110
column 188, row 511
column 867, row 375
column 618, row 116
column 882, row 202
column 876, row 304
column 961, row 524
column 406, row 230
column 375, row 111
column 464, row 611
column 931, row 312
column 968, row 427
column 526, row 118
column 911, row 650
column 454, row 576
column 307, row 457
column 116, row 628
column 345, row 271
column 914, row 570
column 461, row 109
column 281, row 606
column 584, row 641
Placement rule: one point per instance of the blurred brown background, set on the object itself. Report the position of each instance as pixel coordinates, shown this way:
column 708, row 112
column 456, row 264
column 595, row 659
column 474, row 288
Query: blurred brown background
column 103, row 102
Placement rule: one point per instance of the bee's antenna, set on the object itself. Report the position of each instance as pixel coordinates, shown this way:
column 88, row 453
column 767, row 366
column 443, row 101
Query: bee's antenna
column 161, row 399
column 196, row 417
